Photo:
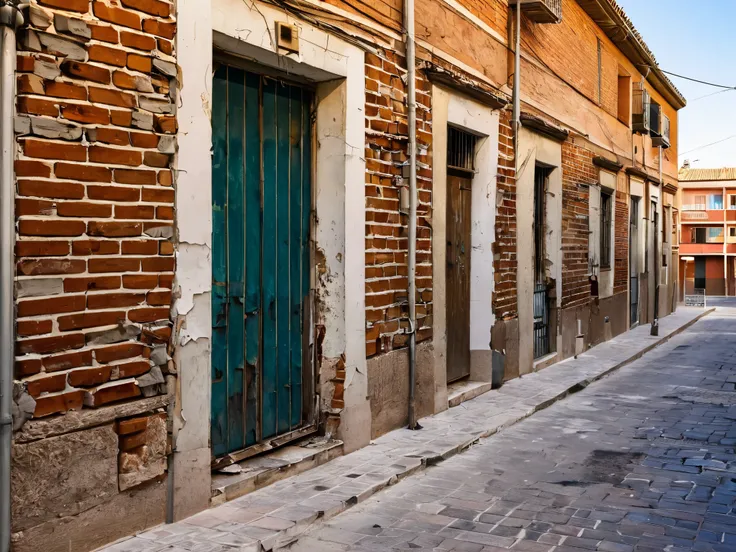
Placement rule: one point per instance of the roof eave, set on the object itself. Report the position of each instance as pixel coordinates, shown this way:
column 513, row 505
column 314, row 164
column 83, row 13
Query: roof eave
column 616, row 28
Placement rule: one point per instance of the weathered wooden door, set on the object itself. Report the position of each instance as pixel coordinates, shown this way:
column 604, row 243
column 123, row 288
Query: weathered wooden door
column 261, row 201
column 458, row 274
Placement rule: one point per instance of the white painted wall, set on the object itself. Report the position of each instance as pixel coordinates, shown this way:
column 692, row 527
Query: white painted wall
column 450, row 108
column 535, row 149
column 607, row 184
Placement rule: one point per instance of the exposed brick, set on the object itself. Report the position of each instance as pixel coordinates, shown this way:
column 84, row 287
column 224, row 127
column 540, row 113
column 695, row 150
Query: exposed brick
column 158, row 264
column 159, row 28
column 151, row 7
column 89, row 376
column 104, row 33
column 140, row 281
column 165, row 213
column 159, row 298
column 111, row 97
column 27, row 328
column 87, row 173
column 98, row 265
column 165, row 46
column 165, row 124
column 148, row 314
column 24, row 64
column 105, row 395
column 138, row 41
column 121, row 118
column 89, row 320
column 102, row 154
column 114, row 300
column 108, row 55
column 144, row 140
column 68, row 360
column 87, row 114
column 51, row 305
column 114, row 229
column 165, row 178
column 132, row 176
column 83, row 209
column 25, row 368
column 166, row 281
column 86, row 71
column 54, row 344
column 95, row 247
column 139, row 63
column 63, row 402
column 59, row 89
column 41, row 248
column 140, row 247
column 112, row 136
column 133, row 369
column 72, row 285
column 121, row 351
column 24, row 167
column 133, row 425
column 114, row 193
column 40, row 267
column 156, row 159
column 81, row 6
column 54, row 150
column 37, row 106
column 51, row 383
column 157, row 195
column 116, row 15
column 51, row 227
column 51, row 189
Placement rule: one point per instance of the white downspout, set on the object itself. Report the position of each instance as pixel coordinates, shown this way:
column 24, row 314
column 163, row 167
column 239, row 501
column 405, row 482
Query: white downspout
column 411, row 152
column 10, row 19
column 517, row 87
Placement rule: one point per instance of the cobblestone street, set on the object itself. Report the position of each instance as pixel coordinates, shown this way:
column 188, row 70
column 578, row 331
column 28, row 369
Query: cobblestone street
column 642, row 460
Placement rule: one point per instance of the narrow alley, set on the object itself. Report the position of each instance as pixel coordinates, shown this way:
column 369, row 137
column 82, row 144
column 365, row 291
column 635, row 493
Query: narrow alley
column 642, row 460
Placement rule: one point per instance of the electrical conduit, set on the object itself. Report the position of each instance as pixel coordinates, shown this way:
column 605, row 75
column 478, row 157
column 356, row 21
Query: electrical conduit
column 10, row 20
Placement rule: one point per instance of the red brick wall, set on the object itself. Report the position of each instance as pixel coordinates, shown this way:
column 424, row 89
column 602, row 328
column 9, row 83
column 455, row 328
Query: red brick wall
column 385, row 12
column 578, row 173
column 95, row 200
column 621, row 247
column 386, row 228
column 505, row 303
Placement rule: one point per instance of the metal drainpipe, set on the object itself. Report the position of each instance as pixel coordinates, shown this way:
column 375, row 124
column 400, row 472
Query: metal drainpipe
column 10, row 19
column 517, row 85
column 412, row 153
column 660, row 206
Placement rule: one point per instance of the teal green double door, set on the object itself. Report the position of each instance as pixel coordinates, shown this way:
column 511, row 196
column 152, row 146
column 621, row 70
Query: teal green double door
column 261, row 201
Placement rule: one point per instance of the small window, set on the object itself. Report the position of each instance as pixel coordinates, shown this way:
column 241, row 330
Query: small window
column 715, row 235
column 732, row 232
column 715, row 202
column 606, row 212
column 698, row 235
column 732, row 202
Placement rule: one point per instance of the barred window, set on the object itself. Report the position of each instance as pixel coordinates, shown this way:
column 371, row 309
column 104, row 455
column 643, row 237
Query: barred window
column 606, row 218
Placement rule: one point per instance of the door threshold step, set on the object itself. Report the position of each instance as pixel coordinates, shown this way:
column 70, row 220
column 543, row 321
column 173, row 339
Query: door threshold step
column 257, row 472
column 461, row 391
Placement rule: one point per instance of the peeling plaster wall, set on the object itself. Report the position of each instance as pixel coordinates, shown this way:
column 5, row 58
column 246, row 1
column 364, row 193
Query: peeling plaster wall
column 449, row 107
column 190, row 465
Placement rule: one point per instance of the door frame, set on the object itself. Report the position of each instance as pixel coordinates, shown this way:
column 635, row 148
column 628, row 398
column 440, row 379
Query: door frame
column 245, row 31
column 450, row 108
column 310, row 397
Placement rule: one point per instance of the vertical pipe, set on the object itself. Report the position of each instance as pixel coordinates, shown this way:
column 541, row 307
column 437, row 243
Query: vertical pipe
column 657, row 237
column 411, row 152
column 9, row 20
column 517, row 85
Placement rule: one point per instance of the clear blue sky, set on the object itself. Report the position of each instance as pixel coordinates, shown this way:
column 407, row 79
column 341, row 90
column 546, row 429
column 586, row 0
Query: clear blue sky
column 696, row 38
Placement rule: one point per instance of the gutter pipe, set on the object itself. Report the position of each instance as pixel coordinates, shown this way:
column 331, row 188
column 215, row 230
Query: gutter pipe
column 10, row 20
column 412, row 153
column 517, row 86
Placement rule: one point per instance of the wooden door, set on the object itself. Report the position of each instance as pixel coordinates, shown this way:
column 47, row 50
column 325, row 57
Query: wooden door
column 458, row 274
column 261, row 201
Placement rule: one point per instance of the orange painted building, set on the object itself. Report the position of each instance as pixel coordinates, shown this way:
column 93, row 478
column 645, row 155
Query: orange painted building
column 708, row 231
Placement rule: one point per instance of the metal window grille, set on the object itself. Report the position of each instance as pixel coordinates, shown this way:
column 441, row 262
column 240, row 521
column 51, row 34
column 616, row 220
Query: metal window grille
column 541, row 321
column 461, row 150
column 606, row 201
column 540, row 179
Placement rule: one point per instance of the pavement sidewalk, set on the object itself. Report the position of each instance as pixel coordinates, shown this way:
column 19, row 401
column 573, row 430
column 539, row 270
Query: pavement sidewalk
column 273, row 517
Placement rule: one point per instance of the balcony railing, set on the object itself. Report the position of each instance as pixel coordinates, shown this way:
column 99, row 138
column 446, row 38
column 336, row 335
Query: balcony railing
column 694, row 207
column 541, row 11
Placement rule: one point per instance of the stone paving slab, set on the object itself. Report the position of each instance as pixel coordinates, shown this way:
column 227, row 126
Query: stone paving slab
column 273, row 517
